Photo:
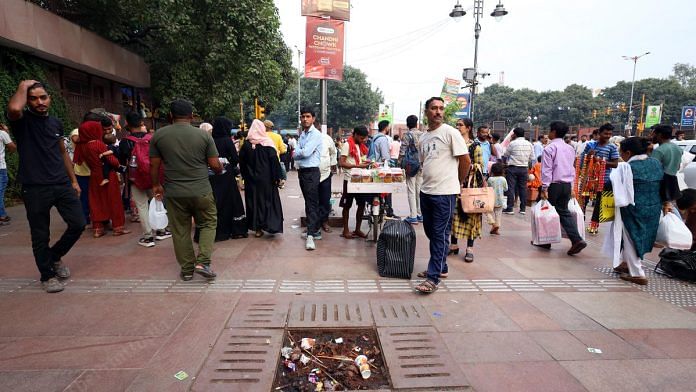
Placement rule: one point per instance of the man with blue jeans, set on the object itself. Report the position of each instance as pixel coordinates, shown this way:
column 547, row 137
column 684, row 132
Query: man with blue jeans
column 308, row 159
column 446, row 163
column 5, row 144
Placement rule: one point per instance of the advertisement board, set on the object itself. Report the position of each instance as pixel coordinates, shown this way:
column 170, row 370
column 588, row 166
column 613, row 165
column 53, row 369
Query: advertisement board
column 386, row 112
column 654, row 116
column 687, row 117
column 450, row 89
column 334, row 9
column 464, row 101
column 324, row 49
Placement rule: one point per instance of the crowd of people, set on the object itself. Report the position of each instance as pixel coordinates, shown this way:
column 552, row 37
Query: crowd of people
column 200, row 173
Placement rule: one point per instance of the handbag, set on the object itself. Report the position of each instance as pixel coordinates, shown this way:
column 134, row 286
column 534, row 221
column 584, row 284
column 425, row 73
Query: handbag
column 477, row 200
column 606, row 207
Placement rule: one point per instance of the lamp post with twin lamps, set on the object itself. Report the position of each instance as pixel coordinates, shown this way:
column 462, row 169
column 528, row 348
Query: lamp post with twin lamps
column 470, row 75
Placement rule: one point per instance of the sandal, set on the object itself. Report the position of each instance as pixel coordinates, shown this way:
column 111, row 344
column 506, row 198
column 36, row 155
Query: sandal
column 359, row 234
column 469, row 257
column 453, row 251
column 424, row 274
column 98, row 233
column 348, row 236
column 118, row 232
column 426, row 287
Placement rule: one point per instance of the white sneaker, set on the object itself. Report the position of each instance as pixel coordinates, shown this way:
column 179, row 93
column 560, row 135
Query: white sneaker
column 147, row 242
column 310, row 243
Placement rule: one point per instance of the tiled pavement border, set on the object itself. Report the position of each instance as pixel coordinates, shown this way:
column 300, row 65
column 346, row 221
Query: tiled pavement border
column 317, row 286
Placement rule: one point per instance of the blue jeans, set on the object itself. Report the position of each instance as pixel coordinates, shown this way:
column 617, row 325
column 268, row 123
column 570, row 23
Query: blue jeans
column 3, row 185
column 437, row 223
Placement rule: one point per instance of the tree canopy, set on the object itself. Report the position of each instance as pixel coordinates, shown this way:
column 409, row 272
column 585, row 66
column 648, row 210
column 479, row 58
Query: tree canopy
column 213, row 52
column 350, row 102
column 577, row 106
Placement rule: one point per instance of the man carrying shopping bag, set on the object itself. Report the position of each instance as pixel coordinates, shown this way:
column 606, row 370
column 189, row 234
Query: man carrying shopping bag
column 557, row 176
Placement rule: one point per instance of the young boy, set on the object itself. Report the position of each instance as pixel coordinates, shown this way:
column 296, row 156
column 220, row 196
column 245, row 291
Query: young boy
column 110, row 141
column 500, row 186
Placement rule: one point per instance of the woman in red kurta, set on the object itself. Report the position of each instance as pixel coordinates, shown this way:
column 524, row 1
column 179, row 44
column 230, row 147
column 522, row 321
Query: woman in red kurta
column 104, row 201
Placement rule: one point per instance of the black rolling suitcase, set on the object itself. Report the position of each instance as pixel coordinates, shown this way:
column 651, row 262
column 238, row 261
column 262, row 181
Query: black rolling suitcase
column 396, row 250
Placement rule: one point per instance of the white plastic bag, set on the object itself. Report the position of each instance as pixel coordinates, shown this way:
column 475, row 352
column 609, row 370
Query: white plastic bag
column 578, row 217
column 673, row 233
column 157, row 215
column 546, row 224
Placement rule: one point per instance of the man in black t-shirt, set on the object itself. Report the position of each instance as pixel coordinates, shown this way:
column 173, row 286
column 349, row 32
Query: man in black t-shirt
column 46, row 174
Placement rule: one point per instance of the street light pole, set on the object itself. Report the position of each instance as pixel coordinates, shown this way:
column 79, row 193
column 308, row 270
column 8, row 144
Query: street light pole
column 299, row 87
column 457, row 13
column 629, row 123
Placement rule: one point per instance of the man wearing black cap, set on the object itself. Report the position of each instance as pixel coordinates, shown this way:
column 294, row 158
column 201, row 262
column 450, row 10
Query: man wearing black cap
column 186, row 153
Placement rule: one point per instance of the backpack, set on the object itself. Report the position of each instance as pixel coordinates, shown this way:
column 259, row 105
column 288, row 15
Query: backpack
column 139, row 162
column 411, row 162
column 678, row 264
column 372, row 151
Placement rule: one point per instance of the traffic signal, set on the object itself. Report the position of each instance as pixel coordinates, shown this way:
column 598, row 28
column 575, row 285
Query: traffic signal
column 594, row 113
column 259, row 109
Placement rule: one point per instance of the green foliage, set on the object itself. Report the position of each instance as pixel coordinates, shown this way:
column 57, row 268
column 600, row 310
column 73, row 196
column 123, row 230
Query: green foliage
column 351, row 102
column 212, row 52
column 15, row 67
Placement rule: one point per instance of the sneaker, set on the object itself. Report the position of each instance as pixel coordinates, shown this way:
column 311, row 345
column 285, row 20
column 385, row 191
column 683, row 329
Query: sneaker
column 420, row 218
column 310, row 243
column 317, row 236
column 62, row 271
column 52, row 285
column 508, row 211
column 522, row 212
column 205, row 271
column 147, row 242
column 413, row 221
column 186, row 276
column 162, row 234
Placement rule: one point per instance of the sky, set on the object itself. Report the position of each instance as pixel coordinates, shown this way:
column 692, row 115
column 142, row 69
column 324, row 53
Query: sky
column 407, row 47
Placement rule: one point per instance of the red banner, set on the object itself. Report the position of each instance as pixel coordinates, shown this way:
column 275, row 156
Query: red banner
column 335, row 9
column 324, row 49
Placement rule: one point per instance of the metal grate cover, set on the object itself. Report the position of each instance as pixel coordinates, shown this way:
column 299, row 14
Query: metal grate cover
column 242, row 360
column 260, row 312
column 391, row 313
column 418, row 358
column 330, row 313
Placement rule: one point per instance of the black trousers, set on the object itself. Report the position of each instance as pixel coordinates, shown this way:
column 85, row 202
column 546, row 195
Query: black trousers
column 559, row 196
column 309, row 184
column 517, row 177
column 38, row 201
column 325, row 199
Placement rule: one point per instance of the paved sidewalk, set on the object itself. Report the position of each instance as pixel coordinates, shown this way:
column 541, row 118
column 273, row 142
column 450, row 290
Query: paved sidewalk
column 517, row 319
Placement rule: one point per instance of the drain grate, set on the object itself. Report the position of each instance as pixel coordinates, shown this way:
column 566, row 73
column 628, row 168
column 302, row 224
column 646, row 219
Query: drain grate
column 241, row 360
column 260, row 312
column 417, row 358
column 340, row 313
column 392, row 313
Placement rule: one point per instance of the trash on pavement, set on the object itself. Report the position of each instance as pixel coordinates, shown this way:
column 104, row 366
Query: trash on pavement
column 181, row 375
column 307, row 343
column 364, row 366
column 594, row 350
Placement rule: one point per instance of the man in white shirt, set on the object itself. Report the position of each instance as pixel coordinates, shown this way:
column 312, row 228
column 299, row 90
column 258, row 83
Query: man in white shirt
column 5, row 144
column 328, row 160
column 580, row 146
column 520, row 155
column 445, row 162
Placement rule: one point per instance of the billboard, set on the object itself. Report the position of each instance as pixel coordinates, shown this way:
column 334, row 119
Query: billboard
column 464, row 101
column 334, row 9
column 654, row 116
column 687, row 117
column 450, row 89
column 324, row 49
column 386, row 112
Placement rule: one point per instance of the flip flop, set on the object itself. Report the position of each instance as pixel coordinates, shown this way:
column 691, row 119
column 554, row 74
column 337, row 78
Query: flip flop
column 349, row 237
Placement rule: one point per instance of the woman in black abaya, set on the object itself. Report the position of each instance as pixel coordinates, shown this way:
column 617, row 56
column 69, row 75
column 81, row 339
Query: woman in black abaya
column 258, row 161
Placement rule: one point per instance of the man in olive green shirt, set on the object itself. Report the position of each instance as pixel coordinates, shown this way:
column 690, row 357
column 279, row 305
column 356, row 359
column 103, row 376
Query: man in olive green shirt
column 186, row 153
column 669, row 154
